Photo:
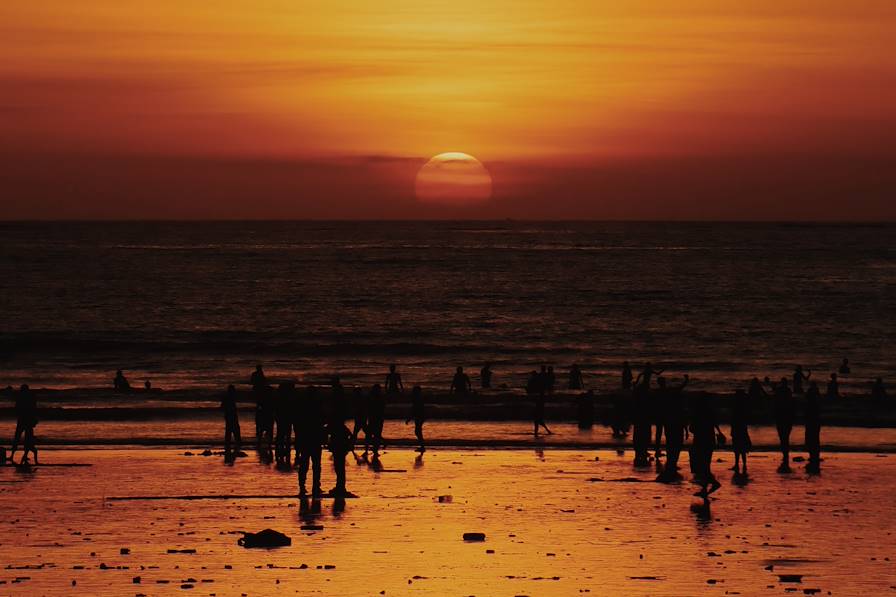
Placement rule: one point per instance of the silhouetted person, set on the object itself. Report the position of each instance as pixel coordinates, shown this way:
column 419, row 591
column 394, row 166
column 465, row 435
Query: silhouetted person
column 784, row 415
column 646, row 375
column 339, row 410
column 537, row 388
column 418, row 414
column 674, row 417
column 393, row 381
column 641, row 419
column 844, row 367
column 798, row 378
column 576, row 380
column 29, row 421
column 755, row 391
column 310, row 439
column 533, row 384
column 833, row 390
column 25, row 409
column 340, row 444
column 460, row 384
column 376, row 412
column 550, row 380
column 585, row 410
column 259, row 387
column 627, row 377
column 741, row 444
column 813, row 429
column 231, row 420
column 266, row 415
column 120, row 383
column 879, row 390
column 359, row 411
column 703, row 428
column 284, row 411
column 485, row 376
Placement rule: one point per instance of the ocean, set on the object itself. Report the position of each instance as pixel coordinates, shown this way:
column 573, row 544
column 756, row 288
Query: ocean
column 198, row 304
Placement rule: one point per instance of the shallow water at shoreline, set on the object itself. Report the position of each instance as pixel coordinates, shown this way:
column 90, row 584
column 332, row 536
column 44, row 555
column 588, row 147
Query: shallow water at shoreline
column 552, row 528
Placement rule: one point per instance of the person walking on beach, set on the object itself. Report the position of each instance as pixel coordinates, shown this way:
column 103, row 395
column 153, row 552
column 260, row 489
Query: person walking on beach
column 376, row 412
column 339, row 442
column 359, row 410
column 283, row 417
column 576, row 380
column 671, row 404
column 798, row 378
column 309, row 440
column 259, row 386
column 784, row 415
column 833, row 390
column 418, row 415
column 813, row 429
column 231, row 420
column 120, row 383
column 460, row 384
column 26, row 419
column 535, row 388
column 740, row 432
column 393, row 381
column 641, row 419
column 704, row 429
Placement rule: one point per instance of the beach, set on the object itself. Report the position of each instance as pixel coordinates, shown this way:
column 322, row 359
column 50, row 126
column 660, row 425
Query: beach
column 570, row 522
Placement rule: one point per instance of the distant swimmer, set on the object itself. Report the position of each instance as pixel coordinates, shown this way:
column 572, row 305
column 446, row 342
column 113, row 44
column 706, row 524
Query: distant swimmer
column 418, row 414
column 833, row 390
column 844, row 367
column 120, row 383
column 460, row 384
column 879, row 390
column 798, row 378
column 627, row 377
column 646, row 375
column 740, row 431
column 576, row 380
column 813, row 429
column 231, row 420
column 393, row 381
column 784, row 415
column 485, row 376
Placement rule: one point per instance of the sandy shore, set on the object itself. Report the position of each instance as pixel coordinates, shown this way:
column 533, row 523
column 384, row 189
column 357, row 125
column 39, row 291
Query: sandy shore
column 556, row 522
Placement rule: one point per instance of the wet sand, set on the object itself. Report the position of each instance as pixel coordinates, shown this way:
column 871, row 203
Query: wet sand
column 557, row 522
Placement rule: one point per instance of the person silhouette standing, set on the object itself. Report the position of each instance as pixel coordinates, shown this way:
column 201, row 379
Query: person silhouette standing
column 310, row 439
column 120, row 383
column 813, row 429
column 784, row 415
column 26, row 420
column 418, row 414
column 627, row 377
column 672, row 406
column 339, row 437
column 833, row 389
column 460, row 384
column 231, row 420
column 641, row 419
column 798, row 378
column 21, row 418
column 393, row 381
column 259, row 386
column 376, row 410
column 844, row 367
column 740, row 433
column 283, row 411
column 647, row 374
column 704, row 428
column 576, row 379
column 359, row 410
column 485, row 376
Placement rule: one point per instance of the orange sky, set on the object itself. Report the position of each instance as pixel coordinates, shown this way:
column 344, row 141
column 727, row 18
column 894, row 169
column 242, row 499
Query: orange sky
column 113, row 109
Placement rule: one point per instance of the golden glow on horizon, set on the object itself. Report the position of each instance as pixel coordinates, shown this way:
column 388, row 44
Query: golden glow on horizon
column 507, row 79
column 453, row 178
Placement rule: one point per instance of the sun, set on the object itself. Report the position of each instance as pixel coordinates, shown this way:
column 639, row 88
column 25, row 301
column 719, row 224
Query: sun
column 453, row 178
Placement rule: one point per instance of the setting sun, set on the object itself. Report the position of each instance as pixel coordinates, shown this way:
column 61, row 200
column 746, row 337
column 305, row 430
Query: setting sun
column 453, row 178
